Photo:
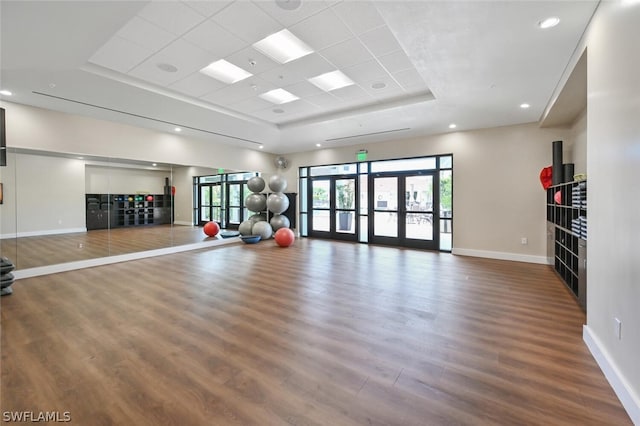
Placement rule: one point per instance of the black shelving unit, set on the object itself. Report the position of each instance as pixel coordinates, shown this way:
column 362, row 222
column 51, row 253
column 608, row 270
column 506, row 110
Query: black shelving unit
column 567, row 217
column 120, row 210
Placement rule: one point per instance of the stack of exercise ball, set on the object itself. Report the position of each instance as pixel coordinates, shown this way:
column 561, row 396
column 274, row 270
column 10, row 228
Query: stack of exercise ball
column 277, row 203
column 6, row 277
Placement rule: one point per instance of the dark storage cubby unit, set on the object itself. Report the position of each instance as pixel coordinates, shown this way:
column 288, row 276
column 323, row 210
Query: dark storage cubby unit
column 114, row 211
column 568, row 218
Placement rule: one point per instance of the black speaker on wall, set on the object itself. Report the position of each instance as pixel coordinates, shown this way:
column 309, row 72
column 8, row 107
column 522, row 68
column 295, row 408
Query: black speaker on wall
column 3, row 140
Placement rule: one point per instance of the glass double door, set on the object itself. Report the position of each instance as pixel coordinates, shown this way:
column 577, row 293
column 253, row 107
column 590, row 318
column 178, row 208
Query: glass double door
column 405, row 210
column 225, row 208
column 333, row 201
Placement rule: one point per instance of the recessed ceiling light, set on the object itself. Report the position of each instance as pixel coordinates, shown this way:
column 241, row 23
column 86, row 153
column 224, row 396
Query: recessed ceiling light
column 80, row 158
column 154, row 164
column 279, row 96
column 5, row 93
column 524, row 106
column 549, row 22
column 278, row 110
column 167, row 67
column 261, row 146
column 177, row 129
column 452, row 126
column 378, row 85
column 225, row 72
column 289, row 4
column 283, row 47
column 331, row 81
column 318, row 145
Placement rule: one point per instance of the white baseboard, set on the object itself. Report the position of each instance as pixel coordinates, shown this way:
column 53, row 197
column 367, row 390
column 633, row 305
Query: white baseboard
column 627, row 397
column 501, row 255
column 43, row 232
column 182, row 223
column 81, row 264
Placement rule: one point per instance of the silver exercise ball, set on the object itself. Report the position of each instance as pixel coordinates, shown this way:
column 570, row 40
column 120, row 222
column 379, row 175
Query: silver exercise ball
column 279, row 221
column 258, row 217
column 255, row 202
column 277, row 202
column 277, row 183
column 263, row 229
column 256, row 184
column 245, row 227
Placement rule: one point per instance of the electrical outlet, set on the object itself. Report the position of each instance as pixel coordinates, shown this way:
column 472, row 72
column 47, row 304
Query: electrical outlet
column 617, row 328
column 524, row 241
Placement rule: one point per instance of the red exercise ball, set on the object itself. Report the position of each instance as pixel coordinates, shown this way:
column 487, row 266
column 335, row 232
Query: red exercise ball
column 149, row 198
column 557, row 197
column 284, row 237
column 211, row 229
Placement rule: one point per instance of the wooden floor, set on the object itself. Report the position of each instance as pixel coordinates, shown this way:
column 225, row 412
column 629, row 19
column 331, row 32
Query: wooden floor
column 321, row 333
column 30, row 252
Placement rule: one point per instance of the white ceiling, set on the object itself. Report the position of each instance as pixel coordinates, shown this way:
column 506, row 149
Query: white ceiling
column 471, row 63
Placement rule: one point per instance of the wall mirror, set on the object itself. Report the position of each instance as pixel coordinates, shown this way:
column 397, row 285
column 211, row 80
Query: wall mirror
column 60, row 208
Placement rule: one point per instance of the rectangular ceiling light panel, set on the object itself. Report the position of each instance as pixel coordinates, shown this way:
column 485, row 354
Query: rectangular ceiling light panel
column 279, row 96
column 331, row 81
column 283, row 47
column 225, row 72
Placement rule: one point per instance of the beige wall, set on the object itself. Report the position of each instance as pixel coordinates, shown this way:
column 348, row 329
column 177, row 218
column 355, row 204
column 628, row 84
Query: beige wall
column 43, row 195
column 497, row 195
column 613, row 164
column 40, row 129
column 578, row 154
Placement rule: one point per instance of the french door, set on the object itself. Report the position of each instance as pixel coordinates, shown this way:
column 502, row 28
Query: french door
column 334, row 203
column 405, row 209
column 209, row 202
column 236, row 212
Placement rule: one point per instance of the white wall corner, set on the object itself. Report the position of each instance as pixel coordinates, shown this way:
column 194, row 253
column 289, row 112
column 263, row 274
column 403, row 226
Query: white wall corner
column 516, row 257
column 630, row 401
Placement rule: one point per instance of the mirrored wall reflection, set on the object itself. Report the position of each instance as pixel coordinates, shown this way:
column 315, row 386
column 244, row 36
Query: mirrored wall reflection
column 63, row 208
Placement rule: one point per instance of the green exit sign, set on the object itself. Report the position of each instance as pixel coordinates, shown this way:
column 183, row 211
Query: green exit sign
column 361, row 155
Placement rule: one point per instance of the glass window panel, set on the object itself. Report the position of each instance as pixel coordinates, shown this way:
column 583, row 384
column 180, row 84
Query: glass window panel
column 339, row 169
column 205, row 214
column 234, row 215
column 345, row 194
column 446, row 237
column 363, row 167
column 364, row 229
column 419, row 226
column 321, row 220
column 385, row 193
column 424, row 163
column 419, row 193
column 345, row 222
column 321, row 193
column 446, row 192
column 205, row 195
column 303, row 195
column 216, row 195
column 364, row 194
column 234, row 177
column 303, row 171
column 304, row 225
column 216, row 214
column 446, row 162
column 234, row 195
column 385, row 224
column 210, row 179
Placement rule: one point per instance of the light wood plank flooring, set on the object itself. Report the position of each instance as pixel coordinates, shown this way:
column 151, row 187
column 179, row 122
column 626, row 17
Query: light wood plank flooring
column 321, row 333
column 30, row 252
